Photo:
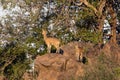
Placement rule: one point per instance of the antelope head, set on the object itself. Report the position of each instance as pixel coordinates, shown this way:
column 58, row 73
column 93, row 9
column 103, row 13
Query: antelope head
column 44, row 32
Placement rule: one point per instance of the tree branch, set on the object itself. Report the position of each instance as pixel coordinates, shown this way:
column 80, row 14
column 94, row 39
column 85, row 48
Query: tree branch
column 89, row 5
column 101, row 6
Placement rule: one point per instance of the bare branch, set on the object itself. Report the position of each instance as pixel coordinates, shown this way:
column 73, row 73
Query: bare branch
column 101, row 6
column 78, row 4
column 89, row 5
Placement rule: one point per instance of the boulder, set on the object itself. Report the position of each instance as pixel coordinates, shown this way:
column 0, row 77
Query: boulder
column 57, row 67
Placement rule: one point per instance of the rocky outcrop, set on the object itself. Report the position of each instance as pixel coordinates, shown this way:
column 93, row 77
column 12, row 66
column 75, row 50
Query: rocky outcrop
column 65, row 66
column 112, row 51
column 58, row 66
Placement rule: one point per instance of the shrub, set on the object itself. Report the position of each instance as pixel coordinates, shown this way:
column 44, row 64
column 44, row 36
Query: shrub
column 88, row 36
column 101, row 69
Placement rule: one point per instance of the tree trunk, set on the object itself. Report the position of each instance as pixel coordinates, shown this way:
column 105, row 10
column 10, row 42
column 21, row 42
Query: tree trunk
column 100, row 27
column 113, row 23
column 101, row 22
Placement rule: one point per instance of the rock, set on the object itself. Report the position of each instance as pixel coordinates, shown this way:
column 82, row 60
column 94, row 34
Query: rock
column 27, row 76
column 66, row 67
column 57, row 66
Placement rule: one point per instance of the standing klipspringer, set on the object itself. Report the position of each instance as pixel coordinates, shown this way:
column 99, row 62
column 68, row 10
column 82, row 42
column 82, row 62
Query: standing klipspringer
column 50, row 41
column 79, row 53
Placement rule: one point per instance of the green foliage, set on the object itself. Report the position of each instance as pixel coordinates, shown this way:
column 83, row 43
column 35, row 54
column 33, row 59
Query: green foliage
column 60, row 1
column 15, row 54
column 86, row 28
column 118, row 16
column 86, row 21
column 103, row 69
column 64, row 35
column 2, row 1
column 1, row 49
column 87, row 35
column 82, row 34
column 37, row 39
column 34, row 18
column 16, row 70
column 117, row 71
column 94, row 2
column 28, row 2
column 99, row 73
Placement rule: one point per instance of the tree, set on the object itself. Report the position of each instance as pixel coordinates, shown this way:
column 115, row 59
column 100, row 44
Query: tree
column 100, row 10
